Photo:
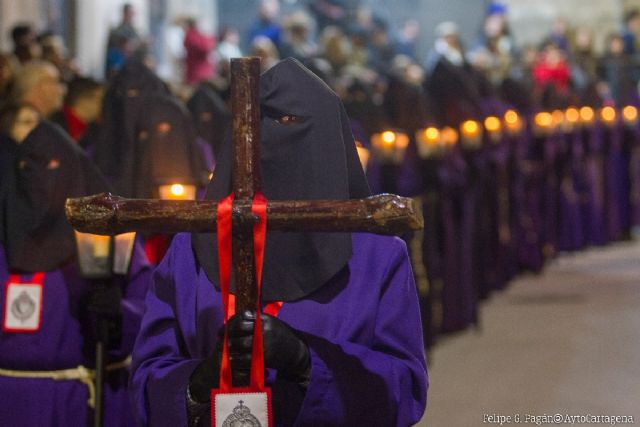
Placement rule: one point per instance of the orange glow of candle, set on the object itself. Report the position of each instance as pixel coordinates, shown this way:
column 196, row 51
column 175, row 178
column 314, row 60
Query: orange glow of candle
column 390, row 146
column 543, row 120
column 630, row 114
column 572, row 115
column 449, row 136
column 432, row 135
column 429, row 142
column 608, row 115
column 363, row 154
column 492, row 124
column 177, row 192
column 388, row 137
column 586, row 115
column 557, row 118
column 470, row 128
column 512, row 122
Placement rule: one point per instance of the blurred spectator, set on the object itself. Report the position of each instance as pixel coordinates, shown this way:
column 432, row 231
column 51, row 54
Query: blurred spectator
column 264, row 48
column 17, row 120
column 8, row 69
column 38, row 84
column 54, row 51
column 198, row 48
column 451, row 82
column 619, row 73
column 123, row 43
column 25, row 47
column 335, row 47
column 381, row 50
column 407, row 38
column 297, row 42
column 552, row 76
column 82, row 106
column 630, row 31
column 267, row 25
column 560, row 34
column 228, row 44
column 584, row 70
column 328, row 12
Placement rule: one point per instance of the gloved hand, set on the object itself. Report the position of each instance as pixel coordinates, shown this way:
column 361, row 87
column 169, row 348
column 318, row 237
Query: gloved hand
column 284, row 349
column 207, row 374
column 104, row 303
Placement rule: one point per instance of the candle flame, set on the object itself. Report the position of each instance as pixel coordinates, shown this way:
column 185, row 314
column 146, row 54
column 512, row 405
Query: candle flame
column 586, row 114
column 608, row 114
column 572, row 114
column 470, row 128
column 388, row 137
column 492, row 124
column 432, row 135
column 630, row 113
column 511, row 117
column 543, row 119
column 449, row 136
column 177, row 190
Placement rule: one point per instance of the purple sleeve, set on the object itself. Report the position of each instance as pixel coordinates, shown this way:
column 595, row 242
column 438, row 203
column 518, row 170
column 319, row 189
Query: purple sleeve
column 381, row 384
column 133, row 294
column 160, row 371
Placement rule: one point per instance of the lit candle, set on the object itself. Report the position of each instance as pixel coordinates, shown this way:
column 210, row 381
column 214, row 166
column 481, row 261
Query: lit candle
column 429, row 142
column 94, row 254
column 586, row 115
column 557, row 119
column 572, row 119
column 630, row 115
column 363, row 155
column 449, row 137
column 542, row 123
column 471, row 134
column 390, row 146
column 493, row 126
column 177, row 192
column 512, row 122
column 608, row 116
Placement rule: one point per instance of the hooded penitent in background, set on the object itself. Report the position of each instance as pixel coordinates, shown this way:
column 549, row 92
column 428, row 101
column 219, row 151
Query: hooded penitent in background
column 115, row 147
column 211, row 117
column 350, row 308
column 47, row 325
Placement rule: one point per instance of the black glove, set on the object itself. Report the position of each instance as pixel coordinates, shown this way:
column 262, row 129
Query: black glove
column 104, row 303
column 207, row 374
column 284, row 349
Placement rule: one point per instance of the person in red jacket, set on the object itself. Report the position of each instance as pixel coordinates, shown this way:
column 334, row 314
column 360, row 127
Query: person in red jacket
column 198, row 48
column 551, row 76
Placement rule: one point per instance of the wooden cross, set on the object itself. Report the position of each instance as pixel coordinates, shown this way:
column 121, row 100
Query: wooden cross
column 109, row 215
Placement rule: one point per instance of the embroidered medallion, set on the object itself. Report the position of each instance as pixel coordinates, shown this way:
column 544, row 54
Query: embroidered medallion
column 23, row 307
column 241, row 417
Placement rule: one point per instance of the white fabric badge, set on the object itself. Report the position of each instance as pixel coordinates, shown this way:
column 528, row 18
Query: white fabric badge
column 23, row 307
column 249, row 409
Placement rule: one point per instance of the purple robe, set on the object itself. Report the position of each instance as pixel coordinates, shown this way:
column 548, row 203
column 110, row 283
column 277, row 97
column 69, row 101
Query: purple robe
column 527, row 197
column 614, row 175
column 63, row 342
column 362, row 328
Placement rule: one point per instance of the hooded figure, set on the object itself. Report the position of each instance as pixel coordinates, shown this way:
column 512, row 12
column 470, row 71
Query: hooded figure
column 122, row 107
column 211, row 116
column 166, row 148
column 345, row 347
column 47, row 307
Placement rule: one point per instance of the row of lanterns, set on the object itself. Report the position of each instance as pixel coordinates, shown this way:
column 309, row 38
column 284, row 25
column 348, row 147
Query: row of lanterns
column 389, row 146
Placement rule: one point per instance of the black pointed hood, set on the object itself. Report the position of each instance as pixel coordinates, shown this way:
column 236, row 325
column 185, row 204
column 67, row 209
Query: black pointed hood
column 210, row 115
column 311, row 156
column 48, row 167
column 166, row 149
